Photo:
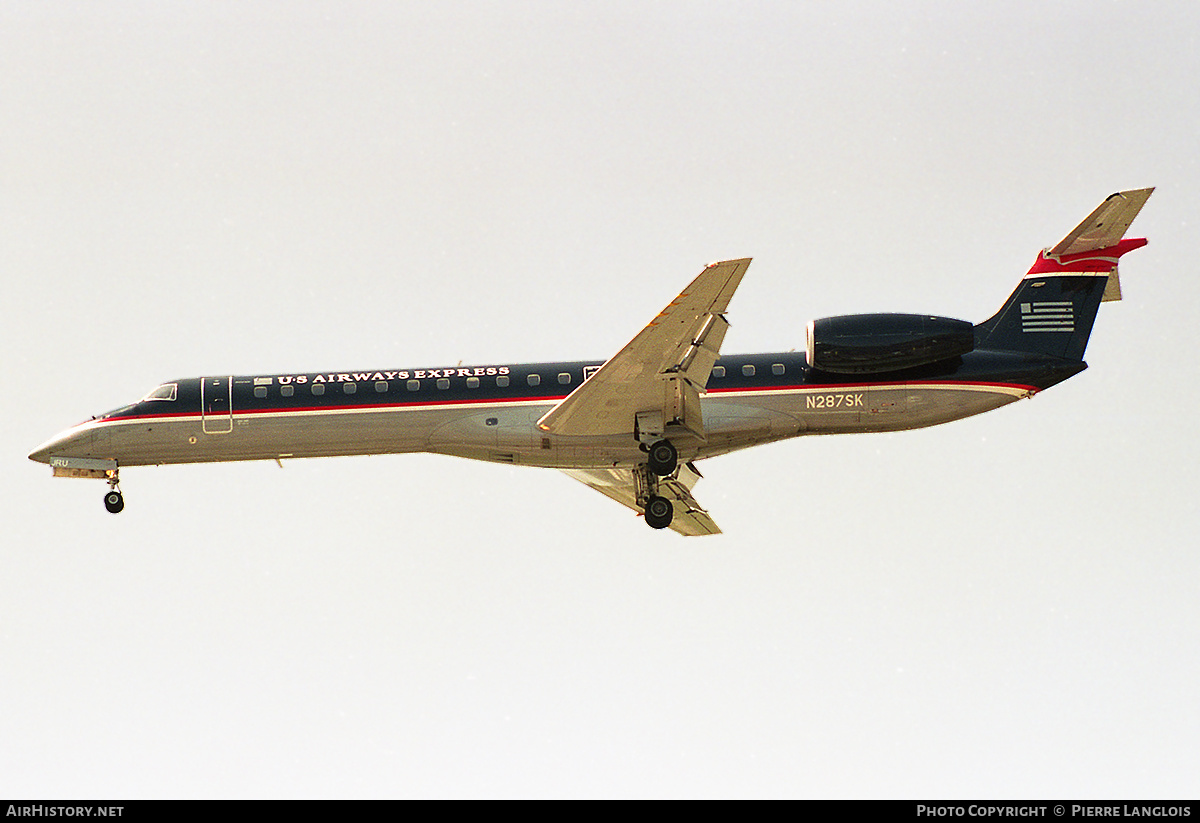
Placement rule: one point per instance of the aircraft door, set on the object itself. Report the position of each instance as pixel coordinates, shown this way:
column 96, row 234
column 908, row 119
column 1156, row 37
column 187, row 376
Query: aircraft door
column 216, row 405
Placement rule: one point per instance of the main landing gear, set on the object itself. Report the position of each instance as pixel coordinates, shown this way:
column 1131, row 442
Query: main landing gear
column 114, row 501
column 661, row 461
column 659, row 512
column 661, row 458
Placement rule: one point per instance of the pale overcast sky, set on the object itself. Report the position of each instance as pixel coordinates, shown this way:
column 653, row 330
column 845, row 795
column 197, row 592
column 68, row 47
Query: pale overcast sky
column 1007, row 606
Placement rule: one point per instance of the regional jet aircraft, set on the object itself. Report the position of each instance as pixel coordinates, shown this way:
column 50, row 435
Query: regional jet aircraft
column 634, row 426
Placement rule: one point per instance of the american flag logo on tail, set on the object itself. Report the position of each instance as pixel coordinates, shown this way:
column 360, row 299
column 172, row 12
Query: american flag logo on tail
column 1048, row 316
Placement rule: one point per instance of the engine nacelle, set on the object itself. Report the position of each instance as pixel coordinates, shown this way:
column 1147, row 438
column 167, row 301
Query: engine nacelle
column 872, row 343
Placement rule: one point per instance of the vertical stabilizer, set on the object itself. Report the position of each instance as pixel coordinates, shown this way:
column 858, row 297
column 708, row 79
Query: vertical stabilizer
column 1055, row 305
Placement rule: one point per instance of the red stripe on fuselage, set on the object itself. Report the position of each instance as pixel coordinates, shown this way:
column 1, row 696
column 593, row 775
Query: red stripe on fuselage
column 369, row 407
column 825, row 386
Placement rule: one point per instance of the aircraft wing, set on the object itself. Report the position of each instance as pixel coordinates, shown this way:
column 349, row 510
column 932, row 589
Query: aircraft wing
column 1106, row 225
column 690, row 520
column 664, row 369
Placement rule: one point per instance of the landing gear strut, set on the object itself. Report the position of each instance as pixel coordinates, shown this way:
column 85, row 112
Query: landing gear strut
column 658, row 509
column 114, row 501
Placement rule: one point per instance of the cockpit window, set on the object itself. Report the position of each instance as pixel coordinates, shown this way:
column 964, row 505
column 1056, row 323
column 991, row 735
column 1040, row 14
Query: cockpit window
column 164, row 392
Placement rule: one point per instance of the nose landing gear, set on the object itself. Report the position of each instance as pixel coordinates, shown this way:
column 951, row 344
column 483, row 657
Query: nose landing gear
column 114, row 501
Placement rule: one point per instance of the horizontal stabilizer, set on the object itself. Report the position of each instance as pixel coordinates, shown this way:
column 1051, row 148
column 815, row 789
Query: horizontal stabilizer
column 1112, row 288
column 1105, row 226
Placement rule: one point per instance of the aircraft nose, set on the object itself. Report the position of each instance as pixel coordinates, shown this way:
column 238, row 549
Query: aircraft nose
column 41, row 454
column 73, row 442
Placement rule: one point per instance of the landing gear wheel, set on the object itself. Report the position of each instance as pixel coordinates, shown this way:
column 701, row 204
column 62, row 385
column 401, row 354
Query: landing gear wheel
column 662, row 458
column 659, row 512
column 114, row 502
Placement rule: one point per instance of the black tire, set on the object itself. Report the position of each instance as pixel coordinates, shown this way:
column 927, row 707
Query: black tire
column 659, row 512
column 114, row 502
column 662, row 458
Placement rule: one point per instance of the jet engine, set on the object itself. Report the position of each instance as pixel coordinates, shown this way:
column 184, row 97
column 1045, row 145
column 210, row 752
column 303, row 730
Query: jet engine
column 873, row 343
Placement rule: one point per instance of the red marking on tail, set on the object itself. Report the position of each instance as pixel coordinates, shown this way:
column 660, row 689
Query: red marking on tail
column 1096, row 260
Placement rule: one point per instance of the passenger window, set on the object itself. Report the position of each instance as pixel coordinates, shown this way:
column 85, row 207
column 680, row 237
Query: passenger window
column 287, row 391
column 380, row 386
column 502, row 381
column 748, row 370
column 443, row 383
column 777, row 368
column 472, row 382
column 349, row 388
column 718, row 371
column 260, row 391
column 413, row 385
column 564, row 378
column 533, row 379
column 318, row 388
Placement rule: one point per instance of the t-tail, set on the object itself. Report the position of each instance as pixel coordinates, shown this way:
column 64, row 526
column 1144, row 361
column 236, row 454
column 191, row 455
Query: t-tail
column 1053, row 308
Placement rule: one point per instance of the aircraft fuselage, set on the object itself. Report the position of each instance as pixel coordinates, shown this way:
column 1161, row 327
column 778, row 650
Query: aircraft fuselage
column 490, row 412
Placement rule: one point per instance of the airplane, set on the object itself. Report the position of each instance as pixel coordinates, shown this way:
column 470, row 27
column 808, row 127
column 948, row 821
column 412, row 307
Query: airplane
column 634, row 426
